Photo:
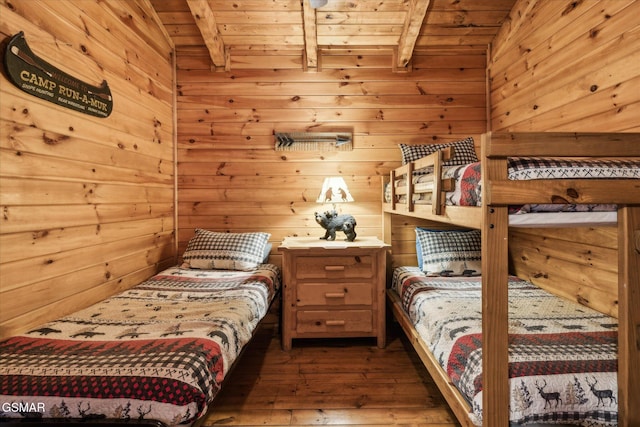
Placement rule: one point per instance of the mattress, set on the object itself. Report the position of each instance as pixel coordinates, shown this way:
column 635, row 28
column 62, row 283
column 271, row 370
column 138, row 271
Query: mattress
column 158, row 351
column 562, row 355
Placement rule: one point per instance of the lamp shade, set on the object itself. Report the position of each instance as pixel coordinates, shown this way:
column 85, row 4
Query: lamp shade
column 334, row 190
column 317, row 3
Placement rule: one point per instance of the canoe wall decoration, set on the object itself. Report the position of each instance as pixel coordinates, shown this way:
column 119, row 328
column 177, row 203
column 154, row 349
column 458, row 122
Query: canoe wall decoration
column 39, row 78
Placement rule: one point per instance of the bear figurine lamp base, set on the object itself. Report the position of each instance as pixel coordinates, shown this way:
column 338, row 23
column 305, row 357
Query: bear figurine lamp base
column 334, row 190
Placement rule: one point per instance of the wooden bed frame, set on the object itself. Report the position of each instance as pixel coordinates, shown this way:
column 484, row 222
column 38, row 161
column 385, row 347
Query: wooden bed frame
column 467, row 216
column 492, row 219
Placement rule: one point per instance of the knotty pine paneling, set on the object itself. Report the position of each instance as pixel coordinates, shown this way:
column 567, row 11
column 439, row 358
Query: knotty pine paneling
column 88, row 203
column 230, row 178
column 568, row 66
column 578, row 264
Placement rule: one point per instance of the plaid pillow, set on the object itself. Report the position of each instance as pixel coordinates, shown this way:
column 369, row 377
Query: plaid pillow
column 465, row 152
column 449, row 253
column 210, row 250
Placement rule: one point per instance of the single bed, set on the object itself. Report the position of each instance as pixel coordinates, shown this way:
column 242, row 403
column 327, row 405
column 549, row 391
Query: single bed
column 562, row 356
column 158, row 352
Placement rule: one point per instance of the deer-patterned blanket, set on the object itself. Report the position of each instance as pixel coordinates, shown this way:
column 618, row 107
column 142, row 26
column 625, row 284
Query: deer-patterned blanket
column 562, row 355
column 158, row 351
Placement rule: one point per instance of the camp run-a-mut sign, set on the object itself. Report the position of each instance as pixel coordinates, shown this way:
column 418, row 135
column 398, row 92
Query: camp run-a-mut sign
column 39, row 78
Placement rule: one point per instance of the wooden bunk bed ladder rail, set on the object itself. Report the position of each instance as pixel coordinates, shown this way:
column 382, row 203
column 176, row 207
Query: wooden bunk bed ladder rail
column 629, row 315
column 434, row 161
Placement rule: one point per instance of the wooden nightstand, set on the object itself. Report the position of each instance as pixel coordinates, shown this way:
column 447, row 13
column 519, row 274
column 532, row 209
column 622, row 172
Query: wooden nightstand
column 333, row 289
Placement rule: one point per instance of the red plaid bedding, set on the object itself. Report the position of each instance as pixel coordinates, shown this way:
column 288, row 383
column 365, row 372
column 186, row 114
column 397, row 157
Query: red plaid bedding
column 158, row 351
column 562, row 356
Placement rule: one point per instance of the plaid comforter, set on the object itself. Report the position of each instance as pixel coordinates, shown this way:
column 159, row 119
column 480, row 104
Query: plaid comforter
column 562, row 356
column 158, row 351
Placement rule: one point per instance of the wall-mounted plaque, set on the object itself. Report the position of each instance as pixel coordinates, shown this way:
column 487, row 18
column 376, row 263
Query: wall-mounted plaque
column 41, row 79
column 314, row 141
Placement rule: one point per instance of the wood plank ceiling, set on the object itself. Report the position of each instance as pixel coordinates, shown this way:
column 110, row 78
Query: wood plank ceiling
column 266, row 27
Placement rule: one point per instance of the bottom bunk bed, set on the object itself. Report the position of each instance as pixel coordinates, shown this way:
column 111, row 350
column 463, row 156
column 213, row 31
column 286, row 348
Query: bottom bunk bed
column 562, row 356
column 157, row 353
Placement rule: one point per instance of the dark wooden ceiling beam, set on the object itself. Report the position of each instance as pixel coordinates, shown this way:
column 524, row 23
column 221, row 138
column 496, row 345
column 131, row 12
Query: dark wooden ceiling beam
column 411, row 30
column 206, row 22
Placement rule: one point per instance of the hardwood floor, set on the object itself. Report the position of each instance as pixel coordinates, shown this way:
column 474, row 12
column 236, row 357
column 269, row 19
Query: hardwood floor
column 346, row 382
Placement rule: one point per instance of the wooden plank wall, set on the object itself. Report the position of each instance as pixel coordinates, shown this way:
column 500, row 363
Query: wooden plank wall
column 568, row 66
column 88, row 203
column 230, row 178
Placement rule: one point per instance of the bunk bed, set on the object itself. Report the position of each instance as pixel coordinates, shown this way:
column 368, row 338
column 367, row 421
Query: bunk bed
column 491, row 217
column 156, row 354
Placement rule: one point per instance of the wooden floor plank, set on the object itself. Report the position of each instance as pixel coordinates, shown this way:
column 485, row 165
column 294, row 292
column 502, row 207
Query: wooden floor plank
column 347, row 382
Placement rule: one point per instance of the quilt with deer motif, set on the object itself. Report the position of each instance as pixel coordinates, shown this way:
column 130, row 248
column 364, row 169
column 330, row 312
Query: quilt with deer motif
column 562, row 355
column 158, row 351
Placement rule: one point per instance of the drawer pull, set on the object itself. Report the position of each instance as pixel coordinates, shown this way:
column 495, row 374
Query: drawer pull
column 335, row 322
column 334, row 295
column 334, row 267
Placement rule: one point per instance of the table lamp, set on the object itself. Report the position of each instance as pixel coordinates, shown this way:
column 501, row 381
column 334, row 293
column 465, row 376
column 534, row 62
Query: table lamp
column 334, row 190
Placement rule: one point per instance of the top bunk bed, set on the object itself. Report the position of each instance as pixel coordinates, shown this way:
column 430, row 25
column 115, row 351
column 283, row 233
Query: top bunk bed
column 498, row 193
column 445, row 183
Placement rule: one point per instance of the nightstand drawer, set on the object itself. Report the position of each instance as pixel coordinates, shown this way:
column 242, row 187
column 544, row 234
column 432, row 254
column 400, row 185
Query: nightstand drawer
column 326, row 267
column 334, row 321
column 332, row 294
